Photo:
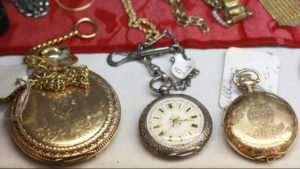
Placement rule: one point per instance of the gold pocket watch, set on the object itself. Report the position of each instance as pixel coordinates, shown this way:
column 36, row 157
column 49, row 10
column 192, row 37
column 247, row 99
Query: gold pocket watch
column 259, row 125
column 66, row 113
column 174, row 125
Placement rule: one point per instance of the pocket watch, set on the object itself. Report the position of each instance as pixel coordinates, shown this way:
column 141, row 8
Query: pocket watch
column 174, row 125
column 65, row 113
column 259, row 125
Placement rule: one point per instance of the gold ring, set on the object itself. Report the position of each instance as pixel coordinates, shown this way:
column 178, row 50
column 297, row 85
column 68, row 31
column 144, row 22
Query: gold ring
column 74, row 9
column 89, row 21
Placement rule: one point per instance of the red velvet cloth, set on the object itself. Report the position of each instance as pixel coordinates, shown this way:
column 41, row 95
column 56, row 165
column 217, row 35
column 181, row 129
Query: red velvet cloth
column 115, row 35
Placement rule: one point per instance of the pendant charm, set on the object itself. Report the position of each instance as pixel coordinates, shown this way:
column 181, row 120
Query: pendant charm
column 175, row 126
column 259, row 125
column 182, row 67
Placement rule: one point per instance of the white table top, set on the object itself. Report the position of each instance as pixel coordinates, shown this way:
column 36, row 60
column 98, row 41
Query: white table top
column 131, row 84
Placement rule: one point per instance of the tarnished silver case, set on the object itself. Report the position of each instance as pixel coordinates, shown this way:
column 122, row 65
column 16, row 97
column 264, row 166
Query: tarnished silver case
column 178, row 151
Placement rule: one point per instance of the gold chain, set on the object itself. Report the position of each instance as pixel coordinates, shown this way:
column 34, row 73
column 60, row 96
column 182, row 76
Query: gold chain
column 48, row 76
column 151, row 32
column 182, row 19
column 285, row 12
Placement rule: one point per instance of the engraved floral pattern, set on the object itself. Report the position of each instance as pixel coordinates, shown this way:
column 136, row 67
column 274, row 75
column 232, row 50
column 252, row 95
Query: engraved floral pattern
column 63, row 107
column 262, row 118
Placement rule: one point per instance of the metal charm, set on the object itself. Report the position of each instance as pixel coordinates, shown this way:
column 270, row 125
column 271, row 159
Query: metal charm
column 174, row 125
column 181, row 67
column 232, row 10
column 32, row 8
column 259, row 125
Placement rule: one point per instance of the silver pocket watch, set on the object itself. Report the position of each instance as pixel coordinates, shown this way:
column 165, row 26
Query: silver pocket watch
column 174, row 125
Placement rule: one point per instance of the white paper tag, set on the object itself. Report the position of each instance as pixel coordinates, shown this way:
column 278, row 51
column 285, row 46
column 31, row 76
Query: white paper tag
column 181, row 67
column 267, row 64
column 8, row 77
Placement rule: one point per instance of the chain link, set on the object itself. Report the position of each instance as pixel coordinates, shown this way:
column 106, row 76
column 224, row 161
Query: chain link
column 158, row 75
column 49, row 76
column 214, row 3
column 182, row 19
column 151, row 32
column 168, row 83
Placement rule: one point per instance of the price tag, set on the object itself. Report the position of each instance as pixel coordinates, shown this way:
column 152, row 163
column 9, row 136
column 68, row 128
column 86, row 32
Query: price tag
column 8, row 78
column 267, row 64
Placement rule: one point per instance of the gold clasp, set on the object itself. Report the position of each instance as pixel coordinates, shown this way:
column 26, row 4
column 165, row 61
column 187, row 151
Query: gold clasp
column 245, row 79
column 232, row 10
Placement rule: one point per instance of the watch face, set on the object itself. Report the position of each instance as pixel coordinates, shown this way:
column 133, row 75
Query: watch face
column 174, row 121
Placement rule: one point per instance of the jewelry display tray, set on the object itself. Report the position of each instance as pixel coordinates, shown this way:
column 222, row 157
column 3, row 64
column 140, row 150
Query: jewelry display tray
column 258, row 30
column 126, row 149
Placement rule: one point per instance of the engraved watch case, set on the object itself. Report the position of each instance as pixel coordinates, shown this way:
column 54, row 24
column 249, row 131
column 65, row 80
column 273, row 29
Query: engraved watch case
column 175, row 126
column 68, row 126
column 259, row 125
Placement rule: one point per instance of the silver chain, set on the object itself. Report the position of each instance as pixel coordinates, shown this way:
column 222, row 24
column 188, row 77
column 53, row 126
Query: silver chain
column 158, row 75
column 168, row 83
column 146, row 52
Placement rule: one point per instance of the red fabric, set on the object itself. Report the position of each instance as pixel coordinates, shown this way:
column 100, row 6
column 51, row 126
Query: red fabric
column 114, row 35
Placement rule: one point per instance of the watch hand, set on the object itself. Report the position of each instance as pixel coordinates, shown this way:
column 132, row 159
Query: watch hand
column 185, row 120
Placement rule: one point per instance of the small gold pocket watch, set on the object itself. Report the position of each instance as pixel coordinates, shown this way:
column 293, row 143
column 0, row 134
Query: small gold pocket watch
column 259, row 125
column 66, row 113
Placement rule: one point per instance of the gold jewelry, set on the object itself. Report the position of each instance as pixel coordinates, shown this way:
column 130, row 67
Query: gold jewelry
column 259, row 125
column 182, row 19
column 48, row 73
column 74, row 9
column 151, row 32
column 55, row 121
column 67, row 126
column 284, row 12
column 232, row 10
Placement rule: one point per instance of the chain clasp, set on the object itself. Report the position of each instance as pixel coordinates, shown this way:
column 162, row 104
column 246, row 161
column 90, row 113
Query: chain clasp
column 145, row 50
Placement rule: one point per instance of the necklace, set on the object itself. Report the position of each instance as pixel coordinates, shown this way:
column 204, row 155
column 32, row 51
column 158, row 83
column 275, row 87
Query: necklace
column 173, row 125
column 232, row 10
column 286, row 13
column 63, row 114
column 259, row 125
column 152, row 33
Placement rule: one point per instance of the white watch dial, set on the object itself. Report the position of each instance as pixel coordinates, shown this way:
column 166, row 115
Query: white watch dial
column 175, row 121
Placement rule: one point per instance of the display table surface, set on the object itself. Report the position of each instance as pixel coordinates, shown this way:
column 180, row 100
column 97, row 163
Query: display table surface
column 131, row 83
